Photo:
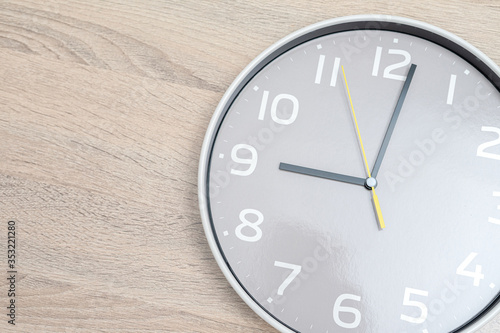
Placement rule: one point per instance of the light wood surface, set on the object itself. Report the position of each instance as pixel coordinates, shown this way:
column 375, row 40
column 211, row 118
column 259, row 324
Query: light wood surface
column 103, row 110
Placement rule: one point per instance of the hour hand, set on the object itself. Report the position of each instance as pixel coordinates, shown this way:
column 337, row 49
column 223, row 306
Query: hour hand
column 322, row 174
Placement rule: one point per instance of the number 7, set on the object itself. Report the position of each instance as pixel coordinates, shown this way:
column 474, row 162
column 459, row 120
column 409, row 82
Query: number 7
column 295, row 271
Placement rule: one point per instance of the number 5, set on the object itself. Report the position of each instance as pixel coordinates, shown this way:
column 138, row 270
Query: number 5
column 421, row 306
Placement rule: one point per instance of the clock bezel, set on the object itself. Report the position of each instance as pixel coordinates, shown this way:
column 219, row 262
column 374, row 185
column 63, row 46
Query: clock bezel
column 349, row 23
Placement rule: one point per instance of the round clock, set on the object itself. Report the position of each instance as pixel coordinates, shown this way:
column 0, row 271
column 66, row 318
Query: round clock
column 349, row 180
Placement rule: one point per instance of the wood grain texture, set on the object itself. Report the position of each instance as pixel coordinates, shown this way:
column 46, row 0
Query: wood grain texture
column 103, row 110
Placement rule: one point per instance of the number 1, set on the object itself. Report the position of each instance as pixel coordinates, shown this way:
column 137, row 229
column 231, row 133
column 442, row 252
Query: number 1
column 451, row 89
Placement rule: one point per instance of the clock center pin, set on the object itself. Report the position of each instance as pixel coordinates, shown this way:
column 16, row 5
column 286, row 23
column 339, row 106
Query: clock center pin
column 370, row 183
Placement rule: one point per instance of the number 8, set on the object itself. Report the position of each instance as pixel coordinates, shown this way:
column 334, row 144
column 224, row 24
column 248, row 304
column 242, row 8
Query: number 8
column 252, row 225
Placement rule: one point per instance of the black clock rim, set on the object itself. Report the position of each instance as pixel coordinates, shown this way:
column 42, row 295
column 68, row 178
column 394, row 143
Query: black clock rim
column 373, row 25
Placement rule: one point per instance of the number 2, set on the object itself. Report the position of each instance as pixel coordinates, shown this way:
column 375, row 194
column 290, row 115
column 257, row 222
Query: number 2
column 481, row 149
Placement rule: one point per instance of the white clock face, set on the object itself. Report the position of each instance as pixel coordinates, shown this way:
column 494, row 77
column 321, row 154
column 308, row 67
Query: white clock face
column 298, row 233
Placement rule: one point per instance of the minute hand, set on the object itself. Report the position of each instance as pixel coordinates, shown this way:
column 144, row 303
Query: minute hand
column 322, row 174
column 394, row 119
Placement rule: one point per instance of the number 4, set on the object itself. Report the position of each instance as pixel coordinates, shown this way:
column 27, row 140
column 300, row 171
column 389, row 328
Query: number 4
column 477, row 275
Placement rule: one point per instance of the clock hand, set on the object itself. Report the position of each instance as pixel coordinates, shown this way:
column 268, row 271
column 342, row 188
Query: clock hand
column 322, row 174
column 392, row 124
column 376, row 202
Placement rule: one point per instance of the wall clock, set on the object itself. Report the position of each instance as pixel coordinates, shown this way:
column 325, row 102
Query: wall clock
column 349, row 180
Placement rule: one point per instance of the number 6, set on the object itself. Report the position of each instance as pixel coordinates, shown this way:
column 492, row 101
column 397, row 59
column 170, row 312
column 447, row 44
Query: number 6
column 338, row 307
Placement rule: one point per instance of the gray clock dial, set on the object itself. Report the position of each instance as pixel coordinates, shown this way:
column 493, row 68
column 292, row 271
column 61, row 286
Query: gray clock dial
column 307, row 250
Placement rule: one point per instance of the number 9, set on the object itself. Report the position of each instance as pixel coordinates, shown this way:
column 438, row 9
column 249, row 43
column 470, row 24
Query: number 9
column 252, row 161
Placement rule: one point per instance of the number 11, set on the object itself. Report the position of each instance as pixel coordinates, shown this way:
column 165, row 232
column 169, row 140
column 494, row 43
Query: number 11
column 335, row 71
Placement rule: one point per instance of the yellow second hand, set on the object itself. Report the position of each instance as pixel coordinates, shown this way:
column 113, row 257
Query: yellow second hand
column 356, row 124
column 376, row 203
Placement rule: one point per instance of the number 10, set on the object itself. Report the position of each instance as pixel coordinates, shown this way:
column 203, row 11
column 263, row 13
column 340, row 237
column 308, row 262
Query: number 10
column 274, row 108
